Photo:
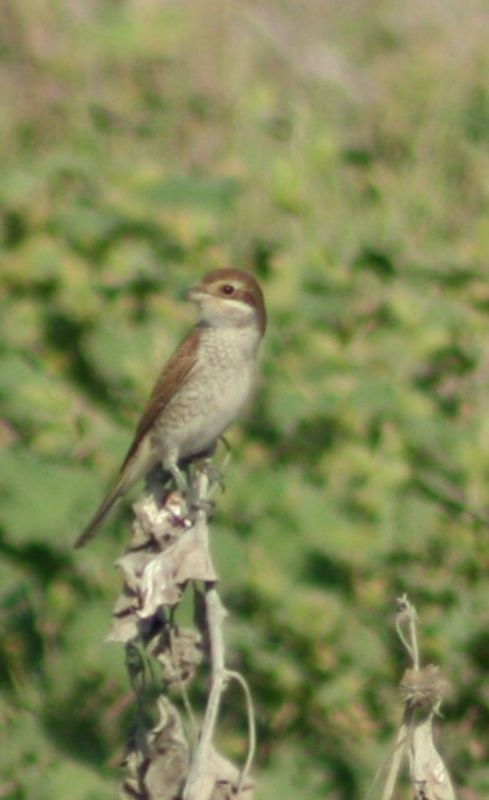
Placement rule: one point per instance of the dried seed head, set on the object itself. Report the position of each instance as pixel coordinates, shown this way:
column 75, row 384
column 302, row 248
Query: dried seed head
column 423, row 688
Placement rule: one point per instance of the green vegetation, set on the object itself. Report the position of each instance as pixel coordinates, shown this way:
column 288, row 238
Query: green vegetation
column 339, row 150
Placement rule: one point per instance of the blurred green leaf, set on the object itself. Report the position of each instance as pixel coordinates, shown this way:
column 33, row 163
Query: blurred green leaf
column 42, row 500
column 143, row 144
column 217, row 194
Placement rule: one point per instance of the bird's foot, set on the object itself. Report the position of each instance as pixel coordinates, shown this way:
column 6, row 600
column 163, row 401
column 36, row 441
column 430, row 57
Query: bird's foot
column 214, row 475
column 180, row 479
column 203, row 505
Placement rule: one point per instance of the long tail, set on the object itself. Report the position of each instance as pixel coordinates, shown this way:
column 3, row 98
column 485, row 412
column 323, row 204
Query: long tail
column 100, row 515
column 139, row 465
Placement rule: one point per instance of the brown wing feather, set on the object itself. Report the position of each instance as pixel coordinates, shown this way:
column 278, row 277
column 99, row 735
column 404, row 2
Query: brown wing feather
column 171, row 379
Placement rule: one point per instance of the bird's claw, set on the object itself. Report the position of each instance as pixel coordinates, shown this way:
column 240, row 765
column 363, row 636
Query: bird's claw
column 203, row 505
column 214, row 475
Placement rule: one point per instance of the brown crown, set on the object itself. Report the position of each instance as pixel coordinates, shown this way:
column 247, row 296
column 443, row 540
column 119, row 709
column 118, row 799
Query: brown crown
column 237, row 285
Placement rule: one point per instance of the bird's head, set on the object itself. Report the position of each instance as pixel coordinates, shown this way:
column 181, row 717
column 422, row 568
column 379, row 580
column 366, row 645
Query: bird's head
column 230, row 298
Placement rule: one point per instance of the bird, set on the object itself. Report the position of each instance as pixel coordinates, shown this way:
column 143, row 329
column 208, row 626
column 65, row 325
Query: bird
column 201, row 390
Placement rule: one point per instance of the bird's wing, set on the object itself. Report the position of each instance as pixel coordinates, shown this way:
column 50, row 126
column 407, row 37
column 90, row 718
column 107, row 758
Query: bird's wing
column 170, row 381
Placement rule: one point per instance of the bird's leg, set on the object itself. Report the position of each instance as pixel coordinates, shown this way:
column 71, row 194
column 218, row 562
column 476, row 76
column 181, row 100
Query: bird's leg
column 226, row 445
column 213, row 473
column 179, row 477
column 169, row 463
column 216, row 474
column 203, row 504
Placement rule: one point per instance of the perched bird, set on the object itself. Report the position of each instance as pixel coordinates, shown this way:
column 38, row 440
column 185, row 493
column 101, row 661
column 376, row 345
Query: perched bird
column 201, row 390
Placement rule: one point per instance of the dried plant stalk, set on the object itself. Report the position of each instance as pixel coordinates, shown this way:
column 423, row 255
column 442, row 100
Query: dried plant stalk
column 168, row 555
column 422, row 690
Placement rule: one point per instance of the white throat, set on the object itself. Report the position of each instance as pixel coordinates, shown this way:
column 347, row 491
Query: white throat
column 218, row 313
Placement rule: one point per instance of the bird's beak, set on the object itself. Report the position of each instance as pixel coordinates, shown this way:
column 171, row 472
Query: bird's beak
column 195, row 294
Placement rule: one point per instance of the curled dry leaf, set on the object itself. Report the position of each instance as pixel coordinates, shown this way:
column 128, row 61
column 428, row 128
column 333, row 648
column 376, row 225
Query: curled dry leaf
column 157, row 760
column 166, row 551
column 219, row 781
column 179, row 653
column 227, row 781
column 164, row 576
column 125, row 621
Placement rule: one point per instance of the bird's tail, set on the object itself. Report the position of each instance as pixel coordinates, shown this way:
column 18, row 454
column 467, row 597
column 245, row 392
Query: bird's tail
column 100, row 515
column 136, row 468
column 140, row 463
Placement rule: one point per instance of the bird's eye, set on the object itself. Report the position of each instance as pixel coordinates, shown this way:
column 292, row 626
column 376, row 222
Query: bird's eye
column 227, row 289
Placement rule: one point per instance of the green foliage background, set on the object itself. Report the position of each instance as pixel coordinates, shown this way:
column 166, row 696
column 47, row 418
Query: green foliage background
column 339, row 150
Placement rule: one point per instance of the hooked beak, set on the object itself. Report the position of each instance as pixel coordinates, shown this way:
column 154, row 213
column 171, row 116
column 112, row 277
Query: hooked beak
column 195, row 294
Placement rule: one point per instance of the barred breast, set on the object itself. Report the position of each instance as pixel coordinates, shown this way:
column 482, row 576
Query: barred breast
column 214, row 393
